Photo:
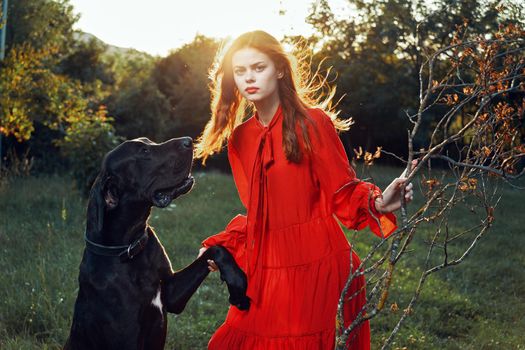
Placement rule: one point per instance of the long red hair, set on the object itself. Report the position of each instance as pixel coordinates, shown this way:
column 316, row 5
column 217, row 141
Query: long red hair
column 298, row 90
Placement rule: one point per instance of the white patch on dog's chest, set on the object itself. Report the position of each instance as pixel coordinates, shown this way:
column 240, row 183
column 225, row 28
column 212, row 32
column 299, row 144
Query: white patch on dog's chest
column 156, row 301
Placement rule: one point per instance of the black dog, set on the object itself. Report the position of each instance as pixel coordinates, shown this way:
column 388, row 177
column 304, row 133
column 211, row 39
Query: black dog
column 127, row 285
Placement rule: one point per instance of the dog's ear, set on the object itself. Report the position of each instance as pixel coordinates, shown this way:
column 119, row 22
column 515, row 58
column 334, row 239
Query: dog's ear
column 103, row 196
column 96, row 206
column 111, row 193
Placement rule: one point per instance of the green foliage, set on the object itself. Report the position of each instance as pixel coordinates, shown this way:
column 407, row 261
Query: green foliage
column 31, row 92
column 377, row 50
column 50, row 86
column 183, row 78
column 35, row 96
column 135, row 101
column 21, row 75
column 89, row 136
column 85, row 62
column 162, row 98
column 139, row 108
column 40, row 23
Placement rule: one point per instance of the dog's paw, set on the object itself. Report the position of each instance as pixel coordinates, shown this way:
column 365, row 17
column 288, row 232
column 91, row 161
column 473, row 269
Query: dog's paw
column 242, row 303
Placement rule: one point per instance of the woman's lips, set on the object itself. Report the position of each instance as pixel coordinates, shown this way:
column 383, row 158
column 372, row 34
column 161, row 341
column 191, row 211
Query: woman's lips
column 251, row 90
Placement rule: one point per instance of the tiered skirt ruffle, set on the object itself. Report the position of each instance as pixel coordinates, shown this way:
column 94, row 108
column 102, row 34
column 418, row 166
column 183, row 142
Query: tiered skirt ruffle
column 305, row 267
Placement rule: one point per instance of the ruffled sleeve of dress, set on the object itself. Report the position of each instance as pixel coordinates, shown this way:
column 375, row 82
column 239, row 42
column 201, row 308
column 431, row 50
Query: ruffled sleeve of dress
column 233, row 237
column 350, row 199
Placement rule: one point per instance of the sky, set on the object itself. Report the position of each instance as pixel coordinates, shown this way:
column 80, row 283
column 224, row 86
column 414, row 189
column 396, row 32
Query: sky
column 158, row 26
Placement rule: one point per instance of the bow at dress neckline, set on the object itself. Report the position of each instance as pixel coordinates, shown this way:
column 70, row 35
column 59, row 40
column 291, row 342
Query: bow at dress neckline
column 258, row 204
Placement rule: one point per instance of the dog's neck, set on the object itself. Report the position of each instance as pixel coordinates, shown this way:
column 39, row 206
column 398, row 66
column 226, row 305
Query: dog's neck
column 122, row 225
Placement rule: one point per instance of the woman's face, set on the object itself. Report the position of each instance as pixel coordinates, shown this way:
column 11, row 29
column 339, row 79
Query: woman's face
column 255, row 75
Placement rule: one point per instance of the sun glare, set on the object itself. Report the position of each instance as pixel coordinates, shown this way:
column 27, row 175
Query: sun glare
column 159, row 26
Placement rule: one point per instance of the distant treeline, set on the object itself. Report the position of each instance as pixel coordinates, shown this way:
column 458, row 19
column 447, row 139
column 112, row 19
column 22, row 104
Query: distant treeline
column 66, row 97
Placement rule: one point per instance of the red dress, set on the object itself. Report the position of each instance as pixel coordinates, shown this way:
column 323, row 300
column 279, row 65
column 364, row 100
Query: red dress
column 290, row 245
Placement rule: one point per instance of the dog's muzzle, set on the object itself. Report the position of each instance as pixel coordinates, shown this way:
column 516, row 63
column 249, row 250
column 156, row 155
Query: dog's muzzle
column 163, row 197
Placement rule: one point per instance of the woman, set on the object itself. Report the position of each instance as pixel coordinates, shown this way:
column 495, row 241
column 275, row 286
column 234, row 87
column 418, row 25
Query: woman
column 292, row 175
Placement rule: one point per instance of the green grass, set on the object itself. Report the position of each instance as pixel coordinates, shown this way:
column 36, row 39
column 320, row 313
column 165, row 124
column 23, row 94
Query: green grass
column 476, row 305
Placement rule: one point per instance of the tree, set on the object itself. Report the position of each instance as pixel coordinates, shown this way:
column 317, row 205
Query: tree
column 40, row 23
column 376, row 54
column 481, row 91
column 89, row 135
column 183, row 78
column 86, row 63
column 50, row 83
column 137, row 104
column 32, row 92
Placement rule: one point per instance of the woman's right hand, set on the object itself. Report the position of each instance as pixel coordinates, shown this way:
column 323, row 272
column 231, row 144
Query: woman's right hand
column 211, row 264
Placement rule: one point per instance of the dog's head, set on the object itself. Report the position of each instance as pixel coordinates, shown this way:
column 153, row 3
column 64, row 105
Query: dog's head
column 142, row 171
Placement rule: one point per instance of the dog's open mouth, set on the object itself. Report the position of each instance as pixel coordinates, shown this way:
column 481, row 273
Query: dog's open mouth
column 163, row 197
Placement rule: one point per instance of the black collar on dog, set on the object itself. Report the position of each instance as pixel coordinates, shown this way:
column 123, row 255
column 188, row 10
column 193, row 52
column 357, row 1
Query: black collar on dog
column 125, row 252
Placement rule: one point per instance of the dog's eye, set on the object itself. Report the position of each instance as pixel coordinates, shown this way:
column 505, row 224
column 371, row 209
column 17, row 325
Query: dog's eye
column 144, row 150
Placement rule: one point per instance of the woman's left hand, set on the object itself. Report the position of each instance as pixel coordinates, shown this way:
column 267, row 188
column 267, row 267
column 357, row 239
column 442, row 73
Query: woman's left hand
column 391, row 200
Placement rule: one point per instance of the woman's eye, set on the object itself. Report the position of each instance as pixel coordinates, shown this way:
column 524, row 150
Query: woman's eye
column 238, row 71
column 259, row 68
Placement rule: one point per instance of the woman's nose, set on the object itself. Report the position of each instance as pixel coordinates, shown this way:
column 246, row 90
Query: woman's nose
column 250, row 78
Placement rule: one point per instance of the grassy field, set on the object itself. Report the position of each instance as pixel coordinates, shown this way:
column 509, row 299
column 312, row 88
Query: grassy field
column 476, row 305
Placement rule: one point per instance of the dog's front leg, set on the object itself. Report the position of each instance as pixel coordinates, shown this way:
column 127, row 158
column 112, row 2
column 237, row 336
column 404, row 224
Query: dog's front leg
column 178, row 288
